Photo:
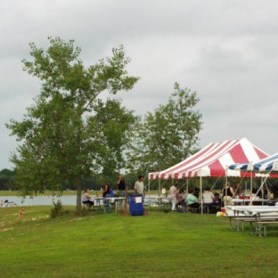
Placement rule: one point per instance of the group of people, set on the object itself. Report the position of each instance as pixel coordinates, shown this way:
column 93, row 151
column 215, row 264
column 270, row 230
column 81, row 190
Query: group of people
column 269, row 193
column 107, row 191
column 191, row 200
column 178, row 198
column 87, row 198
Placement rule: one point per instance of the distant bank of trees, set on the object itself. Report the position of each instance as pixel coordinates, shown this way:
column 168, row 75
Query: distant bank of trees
column 7, row 179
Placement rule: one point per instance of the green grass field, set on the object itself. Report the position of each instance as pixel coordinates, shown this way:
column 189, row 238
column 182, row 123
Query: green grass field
column 111, row 245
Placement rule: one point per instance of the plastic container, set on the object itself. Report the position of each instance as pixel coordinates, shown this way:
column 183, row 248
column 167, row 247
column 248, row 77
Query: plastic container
column 136, row 206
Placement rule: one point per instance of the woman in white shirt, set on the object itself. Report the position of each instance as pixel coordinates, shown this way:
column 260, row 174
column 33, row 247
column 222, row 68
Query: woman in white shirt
column 208, row 196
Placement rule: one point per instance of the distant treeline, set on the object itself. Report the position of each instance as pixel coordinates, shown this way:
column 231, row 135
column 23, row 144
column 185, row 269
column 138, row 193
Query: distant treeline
column 96, row 181
column 7, row 179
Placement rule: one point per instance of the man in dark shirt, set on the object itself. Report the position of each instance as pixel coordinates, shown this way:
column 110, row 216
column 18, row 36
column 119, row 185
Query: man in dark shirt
column 121, row 186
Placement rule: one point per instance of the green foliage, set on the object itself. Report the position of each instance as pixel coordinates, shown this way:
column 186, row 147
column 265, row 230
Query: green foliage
column 7, row 179
column 169, row 134
column 57, row 209
column 113, row 128
column 58, row 141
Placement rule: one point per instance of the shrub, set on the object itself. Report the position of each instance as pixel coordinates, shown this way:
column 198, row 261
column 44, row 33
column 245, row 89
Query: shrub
column 57, row 209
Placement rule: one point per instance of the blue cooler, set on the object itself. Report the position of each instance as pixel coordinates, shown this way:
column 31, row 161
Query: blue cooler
column 136, row 205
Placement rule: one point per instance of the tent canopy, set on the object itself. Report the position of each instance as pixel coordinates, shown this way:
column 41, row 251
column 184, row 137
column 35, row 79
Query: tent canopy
column 268, row 164
column 214, row 160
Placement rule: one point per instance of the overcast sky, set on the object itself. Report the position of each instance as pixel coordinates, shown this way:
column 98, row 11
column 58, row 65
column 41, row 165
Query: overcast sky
column 225, row 50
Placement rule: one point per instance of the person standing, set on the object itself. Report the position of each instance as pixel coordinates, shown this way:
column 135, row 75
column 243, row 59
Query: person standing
column 228, row 194
column 139, row 185
column 121, row 186
column 107, row 191
column 107, row 194
column 228, row 190
column 173, row 191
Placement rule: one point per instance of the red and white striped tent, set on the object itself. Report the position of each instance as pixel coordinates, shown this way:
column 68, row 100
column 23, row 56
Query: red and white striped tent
column 214, row 160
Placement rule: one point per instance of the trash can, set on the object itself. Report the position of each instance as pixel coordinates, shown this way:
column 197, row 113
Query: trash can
column 136, row 206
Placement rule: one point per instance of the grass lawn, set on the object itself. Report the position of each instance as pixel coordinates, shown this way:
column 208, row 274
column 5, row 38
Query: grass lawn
column 111, row 245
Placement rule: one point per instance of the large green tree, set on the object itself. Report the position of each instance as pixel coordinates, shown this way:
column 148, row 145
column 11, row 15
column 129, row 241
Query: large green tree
column 169, row 134
column 58, row 143
column 113, row 127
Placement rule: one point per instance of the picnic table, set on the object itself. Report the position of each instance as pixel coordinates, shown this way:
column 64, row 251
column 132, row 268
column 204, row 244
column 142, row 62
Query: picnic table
column 157, row 201
column 115, row 202
column 247, row 201
column 260, row 216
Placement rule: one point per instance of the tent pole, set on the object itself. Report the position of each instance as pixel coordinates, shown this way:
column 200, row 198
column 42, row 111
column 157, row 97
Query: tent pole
column 261, row 186
column 149, row 192
column 245, row 187
column 226, row 181
column 251, row 189
column 201, row 190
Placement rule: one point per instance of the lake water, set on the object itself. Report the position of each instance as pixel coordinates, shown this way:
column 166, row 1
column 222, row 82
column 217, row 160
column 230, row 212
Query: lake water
column 37, row 200
column 45, row 200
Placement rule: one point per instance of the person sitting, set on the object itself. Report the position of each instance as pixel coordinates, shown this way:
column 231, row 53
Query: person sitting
column 107, row 191
column 192, row 201
column 208, row 198
column 180, row 197
column 217, row 201
column 196, row 192
column 87, row 198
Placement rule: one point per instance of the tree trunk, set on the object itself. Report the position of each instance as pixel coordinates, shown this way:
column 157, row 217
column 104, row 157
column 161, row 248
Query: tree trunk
column 79, row 191
column 79, row 163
